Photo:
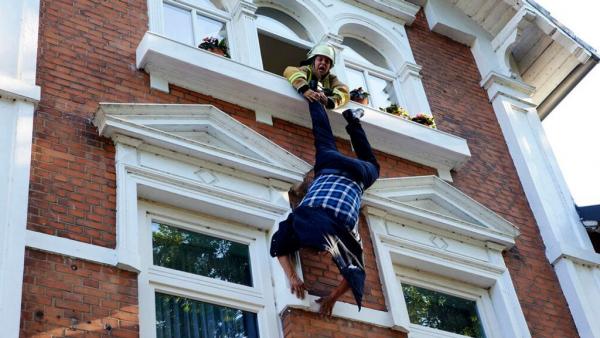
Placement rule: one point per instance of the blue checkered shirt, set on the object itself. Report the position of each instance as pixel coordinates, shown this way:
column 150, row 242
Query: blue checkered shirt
column 338, row 193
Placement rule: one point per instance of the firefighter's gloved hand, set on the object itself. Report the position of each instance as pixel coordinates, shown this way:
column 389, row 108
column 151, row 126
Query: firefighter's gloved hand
column 330, row 103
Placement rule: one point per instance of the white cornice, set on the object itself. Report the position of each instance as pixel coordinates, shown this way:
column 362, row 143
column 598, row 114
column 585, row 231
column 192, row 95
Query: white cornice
column 400, row 9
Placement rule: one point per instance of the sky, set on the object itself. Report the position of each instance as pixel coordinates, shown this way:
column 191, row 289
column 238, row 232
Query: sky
column 573, row 127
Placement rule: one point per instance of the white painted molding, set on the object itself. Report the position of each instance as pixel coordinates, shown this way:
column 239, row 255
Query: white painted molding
column 449, row 208
column 422, row 240
column 567, row 244
column 71, row 248
column 400, row 9
column 15, row 89
column 19, row 22
column 180, row 128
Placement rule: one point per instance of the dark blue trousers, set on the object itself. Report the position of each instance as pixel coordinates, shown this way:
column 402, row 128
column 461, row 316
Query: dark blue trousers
column 318, row 228
column 364, row 169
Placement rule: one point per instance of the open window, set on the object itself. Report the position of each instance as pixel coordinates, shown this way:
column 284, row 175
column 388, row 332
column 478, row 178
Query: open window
column 194, row 24
column 369, row 69
column 283, row 40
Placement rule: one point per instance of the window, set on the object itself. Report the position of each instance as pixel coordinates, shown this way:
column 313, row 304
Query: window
column 435, row 303
column 192, row 24
column 367, row 68
column 184, row 317
column 201, row 275
column 283, row 40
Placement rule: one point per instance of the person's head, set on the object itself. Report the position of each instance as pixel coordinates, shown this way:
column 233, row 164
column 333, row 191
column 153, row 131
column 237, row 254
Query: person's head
column 322, row 59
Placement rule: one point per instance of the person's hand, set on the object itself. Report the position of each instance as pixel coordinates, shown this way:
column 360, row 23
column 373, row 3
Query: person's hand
column 323, row 99
column 327, row 304
column 297, row 286
column 312, row 95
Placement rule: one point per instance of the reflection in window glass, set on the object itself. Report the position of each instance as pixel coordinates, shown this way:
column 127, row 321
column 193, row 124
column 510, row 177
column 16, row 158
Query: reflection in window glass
column 201, row 254
column 442, row 311
column 356, row 79
column 379, row 89
column 178, row 317
column 178, row 24
column 211, row 28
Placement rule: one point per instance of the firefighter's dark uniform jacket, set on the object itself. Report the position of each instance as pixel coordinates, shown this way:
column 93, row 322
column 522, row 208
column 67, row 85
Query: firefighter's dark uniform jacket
column 300, row 77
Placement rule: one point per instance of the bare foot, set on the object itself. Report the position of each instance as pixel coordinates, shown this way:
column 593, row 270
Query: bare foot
column 327, row 304
column 297, row 286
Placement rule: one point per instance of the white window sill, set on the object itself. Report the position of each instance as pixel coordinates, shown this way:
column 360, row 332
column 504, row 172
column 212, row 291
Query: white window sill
column 269, row 95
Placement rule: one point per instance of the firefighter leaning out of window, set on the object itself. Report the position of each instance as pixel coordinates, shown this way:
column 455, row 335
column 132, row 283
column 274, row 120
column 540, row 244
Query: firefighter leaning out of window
column 327, row 217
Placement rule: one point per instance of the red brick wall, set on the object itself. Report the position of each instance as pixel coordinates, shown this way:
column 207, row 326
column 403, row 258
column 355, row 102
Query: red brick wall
column 302, row 324
column 461, row 107
column 58, row 289
column 87, row 55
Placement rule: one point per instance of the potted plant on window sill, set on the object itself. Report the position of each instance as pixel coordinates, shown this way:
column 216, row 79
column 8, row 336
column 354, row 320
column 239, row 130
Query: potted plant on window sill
column 393, row 109
column 359, row 95
column 216, row 46
column 424, row 119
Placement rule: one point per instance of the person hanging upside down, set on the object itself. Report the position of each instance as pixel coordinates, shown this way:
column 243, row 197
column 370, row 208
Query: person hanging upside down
column 327, row 217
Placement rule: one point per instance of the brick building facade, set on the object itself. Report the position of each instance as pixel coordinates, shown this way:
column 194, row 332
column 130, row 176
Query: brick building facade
column 136, row 131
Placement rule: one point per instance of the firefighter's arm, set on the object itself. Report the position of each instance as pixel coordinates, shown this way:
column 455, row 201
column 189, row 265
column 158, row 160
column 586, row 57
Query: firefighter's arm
column 340, row 93
column 298, row 77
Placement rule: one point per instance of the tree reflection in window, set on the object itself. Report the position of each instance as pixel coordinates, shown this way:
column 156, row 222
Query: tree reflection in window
column 187, row 318
column 442, row 311
column 201, row 254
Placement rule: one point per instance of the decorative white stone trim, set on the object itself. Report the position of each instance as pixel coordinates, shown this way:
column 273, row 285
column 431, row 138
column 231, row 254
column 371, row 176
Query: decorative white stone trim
column 170, row 127
column 265, row 92
column 19, row 22
column 257, row 298
column 400, row 9
column 70, row 248
column 405, row 235
column 454, row 211
column 15, row 89
column 567, row 244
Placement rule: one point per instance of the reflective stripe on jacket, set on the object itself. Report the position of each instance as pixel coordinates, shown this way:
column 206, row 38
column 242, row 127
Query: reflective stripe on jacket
column 301, row 76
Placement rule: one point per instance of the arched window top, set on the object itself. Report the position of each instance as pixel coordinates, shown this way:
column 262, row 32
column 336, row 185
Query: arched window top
column 279, row 23
column 363, row 53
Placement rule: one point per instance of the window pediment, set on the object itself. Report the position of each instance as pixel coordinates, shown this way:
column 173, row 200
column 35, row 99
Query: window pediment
column 203, row 132
column 431, row 200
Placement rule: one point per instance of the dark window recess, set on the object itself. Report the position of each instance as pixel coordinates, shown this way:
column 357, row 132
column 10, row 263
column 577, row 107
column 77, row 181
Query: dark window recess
column 179, row 317
column 277, row 54
column 442, row 311
column 201, row 254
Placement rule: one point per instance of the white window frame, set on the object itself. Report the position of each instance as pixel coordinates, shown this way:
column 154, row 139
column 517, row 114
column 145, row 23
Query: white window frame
column 463, row 243
column 195, row 10
column 155, row 278
column 378, row 72
column 291, row 39
column 452, row 287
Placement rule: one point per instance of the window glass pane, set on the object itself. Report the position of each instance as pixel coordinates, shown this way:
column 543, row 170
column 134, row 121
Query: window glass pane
column 178, row 24
column 201, row 254
column 180, row 317
column 363, row 53
column 442, row 311
column 279, row 23
column 380, row 92
column 356, row 78
column 211, row 28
